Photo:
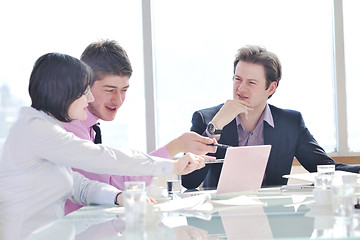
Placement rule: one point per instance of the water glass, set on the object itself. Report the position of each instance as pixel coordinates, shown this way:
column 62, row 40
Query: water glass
column 324, row 178
column 326, row 169
column 343, row 196
column 173, row 186
column 134, row 197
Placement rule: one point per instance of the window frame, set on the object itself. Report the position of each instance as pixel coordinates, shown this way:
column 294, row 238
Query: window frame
column 339, row 80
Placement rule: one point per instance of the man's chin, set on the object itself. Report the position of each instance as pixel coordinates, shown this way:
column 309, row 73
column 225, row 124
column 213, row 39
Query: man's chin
column 108, row 118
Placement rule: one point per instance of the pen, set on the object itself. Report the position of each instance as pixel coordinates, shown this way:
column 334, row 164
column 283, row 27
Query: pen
column 297, row 187
column 219, row 145
column 215, row 161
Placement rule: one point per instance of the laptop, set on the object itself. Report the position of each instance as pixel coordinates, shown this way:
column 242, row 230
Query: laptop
column 243, row 170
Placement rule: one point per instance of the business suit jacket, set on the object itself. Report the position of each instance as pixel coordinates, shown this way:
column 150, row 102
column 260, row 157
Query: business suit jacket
column 289, row 138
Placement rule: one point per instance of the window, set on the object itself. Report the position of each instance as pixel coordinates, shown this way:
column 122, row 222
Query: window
column 41, row 26
column 196, row 41
column 352, row 52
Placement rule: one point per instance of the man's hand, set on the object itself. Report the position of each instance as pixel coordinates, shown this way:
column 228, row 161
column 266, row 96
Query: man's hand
column 191, row 142
column 229, row 111
column 189, row 163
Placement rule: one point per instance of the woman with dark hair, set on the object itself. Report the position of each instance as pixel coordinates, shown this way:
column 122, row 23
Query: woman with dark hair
column 37, row 156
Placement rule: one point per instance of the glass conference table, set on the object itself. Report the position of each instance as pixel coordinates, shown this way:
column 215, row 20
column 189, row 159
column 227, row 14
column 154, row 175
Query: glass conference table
column 283, row 215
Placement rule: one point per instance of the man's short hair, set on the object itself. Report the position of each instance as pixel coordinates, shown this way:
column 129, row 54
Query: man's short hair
column 259, row 55
column 107, row 57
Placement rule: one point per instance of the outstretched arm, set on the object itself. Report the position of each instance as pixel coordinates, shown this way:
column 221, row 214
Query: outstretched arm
column 190, row 142
column 189, row 163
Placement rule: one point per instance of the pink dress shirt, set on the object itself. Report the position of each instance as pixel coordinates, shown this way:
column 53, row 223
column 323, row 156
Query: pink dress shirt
column 83, row 130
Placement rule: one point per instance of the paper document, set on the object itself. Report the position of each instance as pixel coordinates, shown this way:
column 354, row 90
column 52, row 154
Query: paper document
column 195, row 203
column 311, row 176
column 115, row 210
column 239, row 201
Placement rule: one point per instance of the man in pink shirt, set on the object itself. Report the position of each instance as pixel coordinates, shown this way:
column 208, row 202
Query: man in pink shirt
column 113, row 70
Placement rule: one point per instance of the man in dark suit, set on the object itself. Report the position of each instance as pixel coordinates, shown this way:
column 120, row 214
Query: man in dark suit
column 248, row 120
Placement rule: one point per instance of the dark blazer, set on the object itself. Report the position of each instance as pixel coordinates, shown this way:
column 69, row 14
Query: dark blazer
column 289, row 138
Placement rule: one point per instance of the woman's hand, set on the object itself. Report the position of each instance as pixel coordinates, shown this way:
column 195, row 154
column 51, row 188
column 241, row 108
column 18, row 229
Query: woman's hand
column 189, row 163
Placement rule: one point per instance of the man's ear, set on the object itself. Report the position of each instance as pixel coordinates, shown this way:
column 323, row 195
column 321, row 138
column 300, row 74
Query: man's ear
column 272, row 88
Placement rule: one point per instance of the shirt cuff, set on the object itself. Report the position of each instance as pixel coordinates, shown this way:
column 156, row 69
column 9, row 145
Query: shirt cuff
column 164, row 166
column 108, row 196
column 211, row 136
column 161, row 152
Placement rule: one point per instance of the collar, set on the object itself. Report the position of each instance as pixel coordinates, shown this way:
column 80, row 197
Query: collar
column 90, row 120
column 265, row 116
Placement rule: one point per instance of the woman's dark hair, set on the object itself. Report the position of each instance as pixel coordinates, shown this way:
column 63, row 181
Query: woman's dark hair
column 56, row 81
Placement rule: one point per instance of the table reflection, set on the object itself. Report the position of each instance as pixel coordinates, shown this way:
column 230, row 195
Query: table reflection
column 101, row 225
column 327, row 225
column 283, row 215
column 245, row 222
column 236, row 222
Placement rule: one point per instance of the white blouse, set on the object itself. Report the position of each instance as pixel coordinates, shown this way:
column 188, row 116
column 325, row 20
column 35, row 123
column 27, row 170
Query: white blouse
column 36, row 176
